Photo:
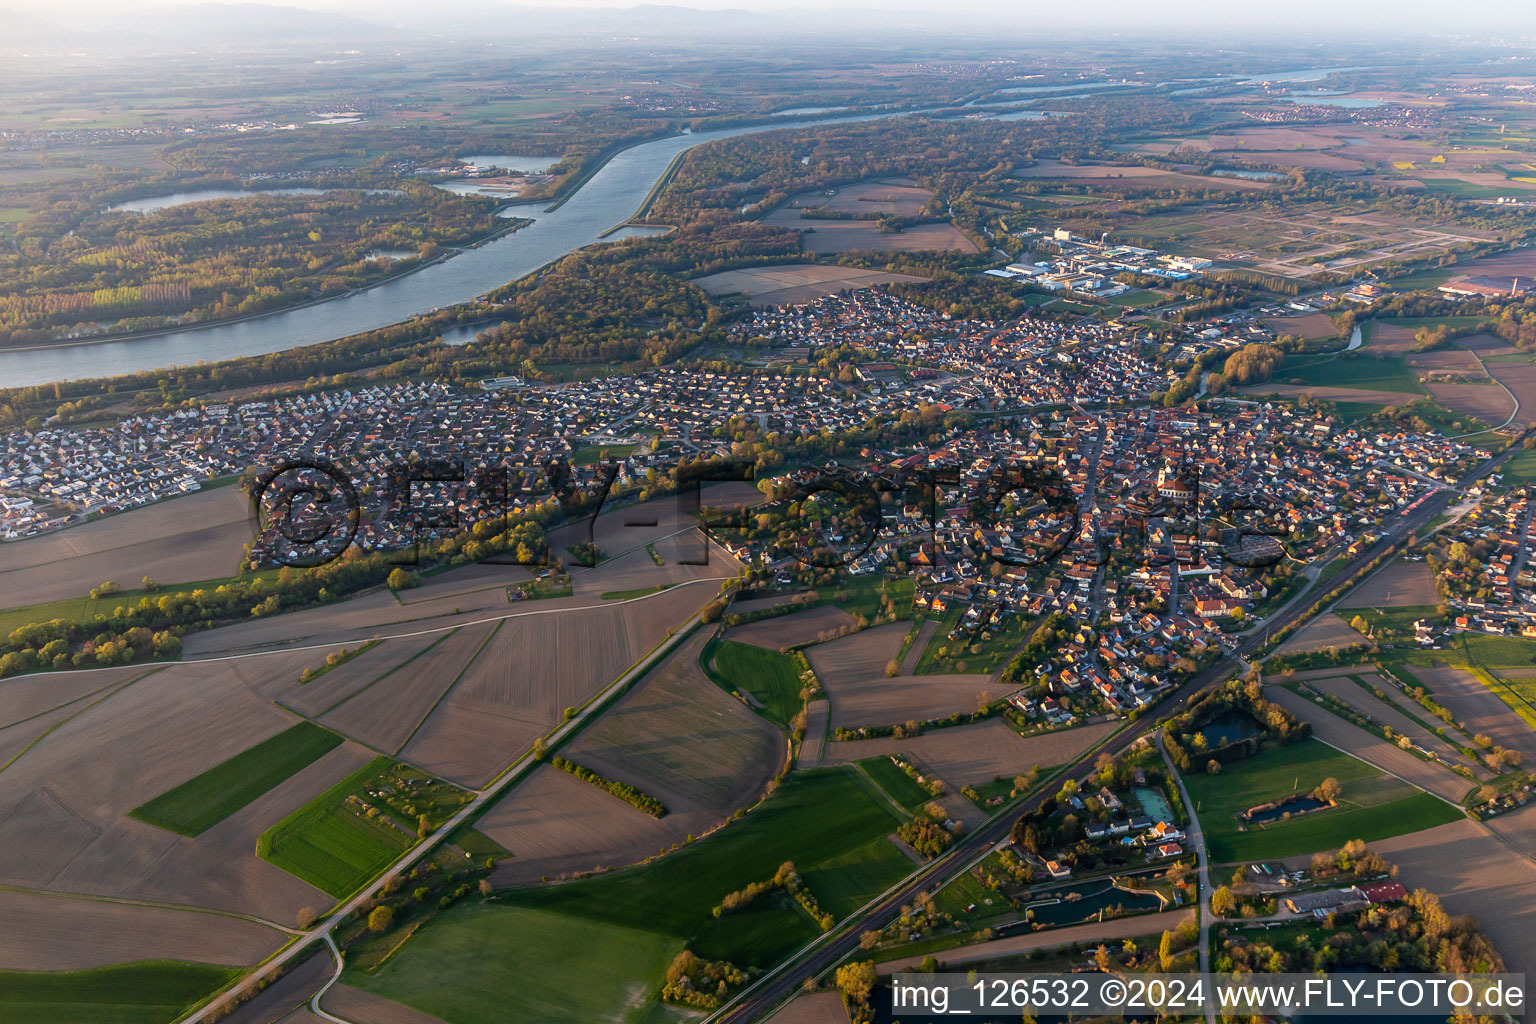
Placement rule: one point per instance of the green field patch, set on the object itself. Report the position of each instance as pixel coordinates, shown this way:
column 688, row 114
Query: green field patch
column 563, row 969
column 1373, row 805
column 772, row 678
column 207, row 799
column 630, row 595
column 844, row 884
column 592, row 454
column 1369, row 373
column 813, row 818
column 895, row 783
column 144, row 992
column 352, row 831
column 84, row 609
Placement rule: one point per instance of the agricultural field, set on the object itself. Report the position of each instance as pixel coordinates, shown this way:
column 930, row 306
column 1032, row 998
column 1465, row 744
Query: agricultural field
column 1400, row 584
column 771, row 678
column 1392, row 716
column 207, row 799
column 862, row 203
column 852, row 668
column 793, row 629
column 1374, row 750
column 571, row 970
column 535, row 666
column 675, row 736
column 43, row 932
column 976, row 753
column 1478, row 708
column 794, row 283
column 1325, row 631
column 1373, row 805
column 178, row 540
column 145, row 992
column 352, row 831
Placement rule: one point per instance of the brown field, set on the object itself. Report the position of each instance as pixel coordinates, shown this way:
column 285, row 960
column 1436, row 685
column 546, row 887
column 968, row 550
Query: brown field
column 1480, row 710
column 852, row 668
column 1522, row 262
column 63, row 823
column 535, row 667
column 978, row 752
column 792, row 284
column 319, row 695
column 26, row 696
column 1487, row 402
column 1520, row 378
column 286, row 1000
column 1446, row 359
column 1324, row 631
column 354, row 1004
column 1308, row 325
column 193, row 537
column 676, row 736
column 389, row 711
column 1329, row 394
column 901, row 197
column 1390, row 339
column 1370, row 748
column 793, row 629
column 1390, row 714
column 757, row 604
column 1473, row 872
column 1398, row 585
column 1139, row 176
column 812, row 1008
column 60, row 933
column 814, row 747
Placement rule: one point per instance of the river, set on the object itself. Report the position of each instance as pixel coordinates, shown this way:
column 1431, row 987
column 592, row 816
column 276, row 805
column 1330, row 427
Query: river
column 610, row 197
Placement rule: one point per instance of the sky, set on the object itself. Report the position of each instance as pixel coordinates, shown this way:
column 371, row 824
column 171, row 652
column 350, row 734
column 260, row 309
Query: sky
column 1509, row 19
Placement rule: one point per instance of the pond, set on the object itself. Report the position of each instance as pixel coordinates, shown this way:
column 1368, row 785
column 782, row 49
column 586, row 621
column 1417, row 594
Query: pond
column 1057, row 908
column 1291, row 805
column 1229, row 727
column 1236, row 172
column 511, row 161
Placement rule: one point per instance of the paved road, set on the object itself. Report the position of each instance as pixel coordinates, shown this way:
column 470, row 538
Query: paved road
column 1196, row 839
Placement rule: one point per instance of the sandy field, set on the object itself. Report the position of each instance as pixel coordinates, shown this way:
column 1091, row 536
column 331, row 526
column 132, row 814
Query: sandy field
column 972, row 754
column 323, row 693
column 534, row 667
column 1393, row 716
column 354, row 1004
column 1480, row 710
column 283, row 999
column 45, row 933
column 554, row 822
column 812, row 1008
column 1399, row 585
column 1308, row 325
column 1487, row 402
column 1371, row 749
column 63, row 812
column 1473, row 873
column 802, row 627
column 1324, row 631
column 1108, row 931
column 25, row 696
column 792, row 284
column 389, row 711
column 193, row 537
column 677, row 737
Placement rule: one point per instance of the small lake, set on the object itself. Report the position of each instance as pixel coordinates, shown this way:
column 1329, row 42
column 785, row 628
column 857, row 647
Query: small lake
column 1237, row 172
column 1290, row 805
column 511, row 161
column 1057, row 911
column 154, row 204
column 1228, row 727
column 1154, row 803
